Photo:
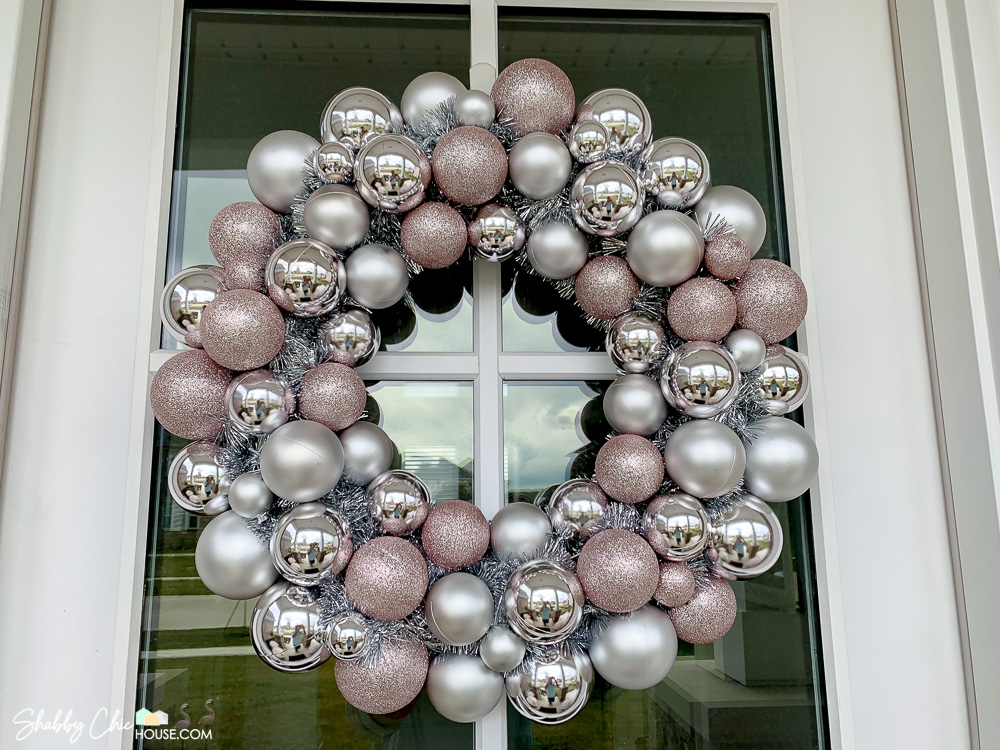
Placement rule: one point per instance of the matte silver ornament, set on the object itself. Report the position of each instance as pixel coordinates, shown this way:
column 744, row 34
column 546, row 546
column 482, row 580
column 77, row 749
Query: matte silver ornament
column 309, row 540
column 285, row 629
column 185, row 296
column 333, row 163
column 553, row 688
column 665, row 248
column 461, row 688
column 784, row 382
column 399, row 501
column 474, row 107
column 305, row 277
column 501, row 650
column 336, row 216
column 356, row 115
column 578, row 505
column 544, row 601
column 782, row 460
column 737, row 208
column 675, row 172
column 426, row 93
column 276, row 168
column 496, row 233
column 259, row 401
column 367, row 452
column 634, row 405
column 589, row 141
column 519, row 530
column 557, row 250
column 606, row 199
column 392, row 173
column 231, row 561
column 301, row 461
column 748, row 539
column 249, row 496
column 350, row 337
column 700, row 379
column 376, row 276
column 459, row 609
column 622, row 113
column 539, row 165
column 747, row 348
column 705, row 458
column 637, row 650
column 197, row 477
column 347, row 636
column 634, row 342
column 676, row 526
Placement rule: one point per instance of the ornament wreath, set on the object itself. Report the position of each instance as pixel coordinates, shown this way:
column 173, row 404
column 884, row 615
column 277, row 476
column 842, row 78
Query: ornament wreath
column 349, row 555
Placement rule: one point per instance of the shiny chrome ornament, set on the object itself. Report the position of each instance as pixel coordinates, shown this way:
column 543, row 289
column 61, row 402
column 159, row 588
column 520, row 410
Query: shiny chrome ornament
column 553, row 688
column 357, row 115
column 634, row 342
column 675, row 172
column 185, row 296
column 589, row 141
column 334, row 162
column 544, row 601
column 392, row 173
column 606, row 199
column 784, row 382
column 349, row 337
column 198, row 480
column 676, row 526
column 259, row 401
column 622, row 113
column 309, row 540
column 700, row 379
column 578, row 505
column 285, row 629
column 399, row 500
column 496, row 233
column 347, row 636
column 748, row 539
column 305, row 277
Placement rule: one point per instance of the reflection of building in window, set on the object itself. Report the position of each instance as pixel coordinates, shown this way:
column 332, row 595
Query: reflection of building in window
column 437, row 466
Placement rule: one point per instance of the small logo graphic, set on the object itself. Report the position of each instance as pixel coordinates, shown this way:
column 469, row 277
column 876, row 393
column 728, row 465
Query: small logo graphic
column 144, row 718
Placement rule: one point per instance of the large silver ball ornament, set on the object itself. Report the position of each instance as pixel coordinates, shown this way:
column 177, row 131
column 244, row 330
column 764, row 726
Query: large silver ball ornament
column 249, row 496
column 259, row 401
column 301, row 461
column 635, row 342
column 747, row 348
column 675, row 172
column 475, row 108
column 399, row 501
column 356, row 115
column 334, row 163
column 336, row 216
column 519, row 530
column 183, row 299
column 285, row 629
column 557, row 250
column 231, row 561
column 496, row 233
column 553, row 688
column 782, row 460
column 462, row 688
column 784, row 382
column 367, row 452
column 392, row 173
column 539, row 165
column 426, row 93
column 589, row 141
column 622, row 113
column 705, row 458
column 197, row 479
column 376, row 276
column 665, row 248
column 309, row 540
column 578, row 505
column 606, row 199
column 501, row 650
column 276, row 168
column 748, row 539
column 459, row 609
column 544, row 601
column 634, row 405
column 637, row 650
column 676, row 526
column 305, row 277
column 700, row 379
column 347, row 636
column 737, row 208
column 349, row 337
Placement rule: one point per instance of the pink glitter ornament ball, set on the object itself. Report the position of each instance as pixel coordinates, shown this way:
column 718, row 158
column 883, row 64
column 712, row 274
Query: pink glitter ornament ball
column 188, row 395
column 537, row 95
column 727, row 256
column 702, row 309
column 629, row 468
column 386, row 579
column 388, row 683
column 434, row 235
column 333, row 395
column 244, row 231
column 242, row 330
column 606, row 287
column 676, row 585
column 245, row 275
column 455, row 535
column 708, row 616
column 771, row 300
column 618, row 570
column 470, row 165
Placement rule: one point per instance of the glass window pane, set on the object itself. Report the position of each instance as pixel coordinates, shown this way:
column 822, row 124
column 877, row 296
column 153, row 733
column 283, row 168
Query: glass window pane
column 248, row 73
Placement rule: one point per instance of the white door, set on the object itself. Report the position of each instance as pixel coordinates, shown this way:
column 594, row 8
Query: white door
column 489, row 384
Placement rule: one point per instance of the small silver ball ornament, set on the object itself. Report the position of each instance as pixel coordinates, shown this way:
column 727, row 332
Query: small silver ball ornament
column 474, row 107
column 259, row 401
column 553, row 688
column 578, row 505
column 347, row 636
column 539, row 165
column 501, row 650
column 637, row 650
column 781, row 460
column 276, row 168
column 349, row 337
column 336, row 216
column 249, row 496
column 376, row 276
column 334, row 163
column 784, row 382
column 462, row 688
column 624, row 115
column 285, row 629
column 634, row 405
column 748, row 539
column 392, row 173
column 399, row 501
column 747, row 348
column 557, row 250
column 675, row 172
column 197, row 479
column 700, row 379
column 738, row 208
column 496, row 233
column 426, row 93
column 544, row 601
column 519, row 530
column 589, row 141
column 606, row 199
column 305, row 277
column 367, row 452
column 309, row 540
column 676, row 526
column 183, row 299
column 634, row 342
column 231, row 561
column 665, row 248
column 459, row 609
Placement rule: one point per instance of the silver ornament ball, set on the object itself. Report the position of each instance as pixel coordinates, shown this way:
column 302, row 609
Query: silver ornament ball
column 259, row 401
column 675, row 172
column 249, row 496
column 635, row 342
column 747, row 348
column 737, row 208
column 676, row 526
column 185, row 296
column 285, row 629
column 334, row 163
column 462, row 688
column 578, row 505
column 376, row 276
column 399, row 501
column 634, row 405
column 606, row 199
column 782, row 460
column 356, row 115
column 544, row 601
column 459, row 609
column 519, row 530
column 475, row 108
column 367, row 452
column 301, row 461
column 276, row 168
column 309, row 540
column 705, row 458
column 426, row 93
column 336, row 216
column 748, row 539
column 231, row 561
column 349, row 337
column 197, row 479
column 624, row 115
column 700, row 379
column 553, row 688
column 784, row 382
column 637, row 650
column 557, row 250
column 501, row 650
column 539, row 165
column 665, row 248
column 347, row 636
column 392, row 173
column 589, row 141
column 496, row 233
column 305, row 277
